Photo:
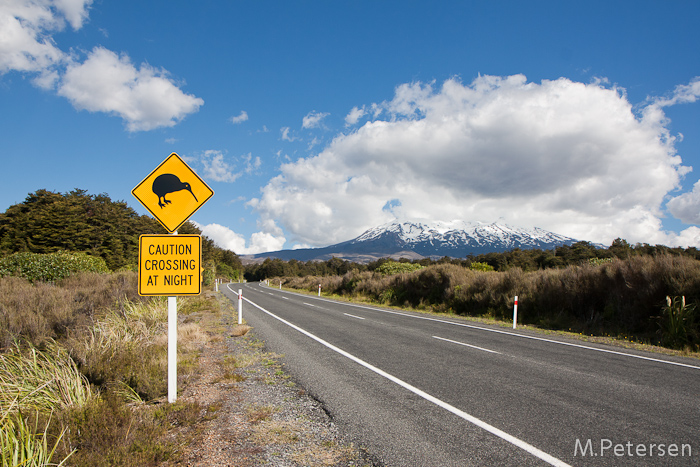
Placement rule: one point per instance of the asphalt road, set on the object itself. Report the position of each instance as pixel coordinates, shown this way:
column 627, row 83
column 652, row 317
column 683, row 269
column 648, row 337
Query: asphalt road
column 417, row 390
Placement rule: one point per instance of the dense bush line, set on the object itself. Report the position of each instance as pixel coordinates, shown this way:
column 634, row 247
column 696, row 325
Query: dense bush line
column 49, row 267
column 618, row 297
column 48, row 222
column 526, row 260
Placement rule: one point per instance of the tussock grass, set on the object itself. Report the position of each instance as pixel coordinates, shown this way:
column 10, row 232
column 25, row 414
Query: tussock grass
column 21, row 444
column 127, row 345
column 38, row 382
column 240, row 330
column 42, row 381
column 81, row 357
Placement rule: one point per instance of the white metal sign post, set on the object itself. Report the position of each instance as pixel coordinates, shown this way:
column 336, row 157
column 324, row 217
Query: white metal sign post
column 172, row 349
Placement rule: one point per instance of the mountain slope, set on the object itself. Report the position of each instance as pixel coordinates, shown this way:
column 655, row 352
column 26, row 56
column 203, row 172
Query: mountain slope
column 418, row 239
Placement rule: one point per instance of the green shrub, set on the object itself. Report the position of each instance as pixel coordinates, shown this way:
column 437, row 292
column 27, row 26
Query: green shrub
column 208, row 275
column 392, row 267
column 676, row 324
column 108, row 432
column 223, row 269
column 476, row 266
column 49, row 267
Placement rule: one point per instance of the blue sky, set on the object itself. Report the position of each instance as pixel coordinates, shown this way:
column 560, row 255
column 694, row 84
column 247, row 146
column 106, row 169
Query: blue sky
column 315, row 120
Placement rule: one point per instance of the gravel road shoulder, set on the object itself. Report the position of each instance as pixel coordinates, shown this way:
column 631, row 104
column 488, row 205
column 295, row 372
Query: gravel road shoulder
column 253, row 412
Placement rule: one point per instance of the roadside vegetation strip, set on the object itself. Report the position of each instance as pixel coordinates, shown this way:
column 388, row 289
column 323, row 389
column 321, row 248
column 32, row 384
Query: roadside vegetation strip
column 78, row 359
column 548, row 458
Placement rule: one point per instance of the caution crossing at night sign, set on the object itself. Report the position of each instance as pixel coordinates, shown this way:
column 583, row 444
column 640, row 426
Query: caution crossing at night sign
column 172, row 192
column 170, row 265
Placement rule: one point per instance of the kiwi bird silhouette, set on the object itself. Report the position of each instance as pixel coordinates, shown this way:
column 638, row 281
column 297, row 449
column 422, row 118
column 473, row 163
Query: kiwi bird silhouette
column 169, row 183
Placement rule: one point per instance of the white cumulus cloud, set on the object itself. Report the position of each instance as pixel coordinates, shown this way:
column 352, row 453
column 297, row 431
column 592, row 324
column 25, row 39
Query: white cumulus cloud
column 240, row 118
column 570, row 157
column 26, row 44
column 686, row 207
column 144, row 97
column 313, row 119
column 251, row 163
column 226, row 238
column 354, row 116
column 216, row 168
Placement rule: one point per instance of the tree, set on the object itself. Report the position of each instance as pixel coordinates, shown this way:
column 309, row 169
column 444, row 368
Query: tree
column 620, row 248
column 48, row 222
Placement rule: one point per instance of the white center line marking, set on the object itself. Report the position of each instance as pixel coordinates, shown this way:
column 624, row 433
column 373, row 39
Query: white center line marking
column 548, row 458
column 466, row 345
column 353, row 316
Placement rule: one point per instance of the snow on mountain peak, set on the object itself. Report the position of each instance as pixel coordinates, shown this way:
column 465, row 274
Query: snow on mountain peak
column 417, row 234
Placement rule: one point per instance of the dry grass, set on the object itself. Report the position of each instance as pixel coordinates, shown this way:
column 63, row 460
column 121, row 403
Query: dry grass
column 240, row 330
column 258, row 413
column 327, row 454
column 78, row 355
column 276, row 432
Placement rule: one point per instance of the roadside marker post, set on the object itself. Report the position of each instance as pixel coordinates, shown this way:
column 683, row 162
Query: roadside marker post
column 176, row 259
column 515, row 312
column 319, row 290
column 240, row 306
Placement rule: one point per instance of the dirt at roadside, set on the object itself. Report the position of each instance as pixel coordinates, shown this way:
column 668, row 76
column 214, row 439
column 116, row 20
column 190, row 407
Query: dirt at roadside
column 256, row 414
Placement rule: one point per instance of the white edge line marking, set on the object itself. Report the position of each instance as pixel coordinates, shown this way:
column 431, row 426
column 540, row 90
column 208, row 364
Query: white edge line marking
column 353, row 316
column 471, row 419
column 466, row 345
column 542, row 339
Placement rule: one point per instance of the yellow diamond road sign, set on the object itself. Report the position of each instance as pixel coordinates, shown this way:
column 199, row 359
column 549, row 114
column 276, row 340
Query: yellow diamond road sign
column 170, row 265
column 172, row 192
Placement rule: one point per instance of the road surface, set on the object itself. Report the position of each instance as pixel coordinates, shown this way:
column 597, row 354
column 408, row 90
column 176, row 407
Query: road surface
column 419, row 390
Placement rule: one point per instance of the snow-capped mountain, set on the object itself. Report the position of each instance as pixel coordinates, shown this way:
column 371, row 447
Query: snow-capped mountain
column 457, row 239
column 418, row 239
